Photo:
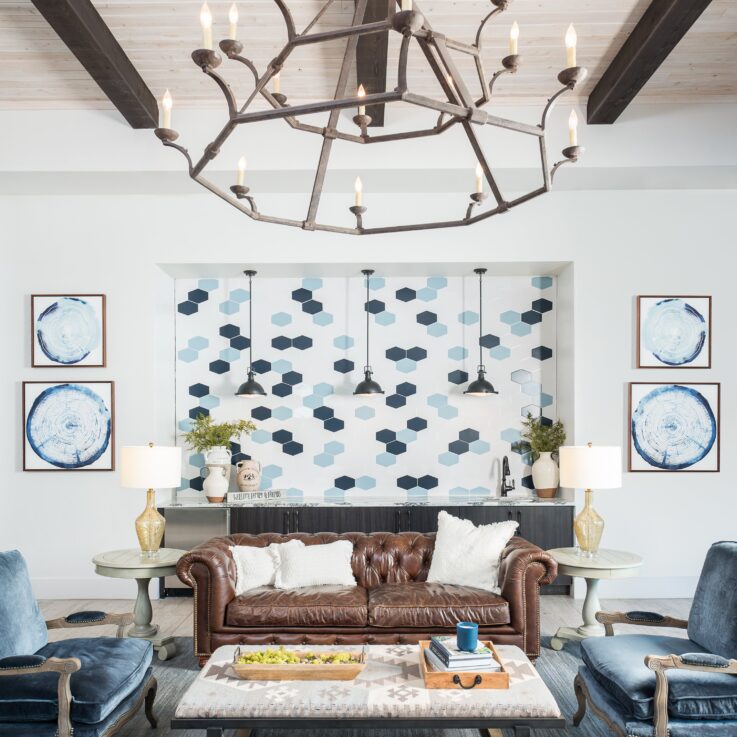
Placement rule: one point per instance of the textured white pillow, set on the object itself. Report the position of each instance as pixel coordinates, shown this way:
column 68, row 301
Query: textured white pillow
column 467, row 555
column 315, row 565
column 256, row 567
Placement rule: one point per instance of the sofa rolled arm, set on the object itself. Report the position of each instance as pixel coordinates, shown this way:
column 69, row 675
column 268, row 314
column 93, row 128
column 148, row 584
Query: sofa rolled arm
column 209, row 570
column 661, row 664
column 649, row 619
column 22, row 665
column 91, row 619
column 524, row 568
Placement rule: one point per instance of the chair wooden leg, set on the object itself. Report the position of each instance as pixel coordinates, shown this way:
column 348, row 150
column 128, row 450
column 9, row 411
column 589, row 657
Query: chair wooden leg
column 581, row 698
column 149, row 703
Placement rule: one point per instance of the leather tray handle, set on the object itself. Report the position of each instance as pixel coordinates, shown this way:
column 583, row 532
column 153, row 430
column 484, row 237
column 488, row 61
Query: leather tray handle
column 458, row 682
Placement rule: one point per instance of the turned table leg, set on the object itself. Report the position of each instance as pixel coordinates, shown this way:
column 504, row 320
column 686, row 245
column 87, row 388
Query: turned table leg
column 142, row 612
column 591, row 605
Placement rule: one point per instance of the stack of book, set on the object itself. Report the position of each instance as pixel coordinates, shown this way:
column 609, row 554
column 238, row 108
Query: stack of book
column 444, row 655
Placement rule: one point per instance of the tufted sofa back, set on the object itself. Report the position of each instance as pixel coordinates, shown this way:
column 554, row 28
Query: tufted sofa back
column 378, row 557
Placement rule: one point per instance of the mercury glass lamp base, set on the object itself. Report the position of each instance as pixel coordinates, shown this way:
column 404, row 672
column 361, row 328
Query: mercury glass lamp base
column 150, row 527
column 589, row 527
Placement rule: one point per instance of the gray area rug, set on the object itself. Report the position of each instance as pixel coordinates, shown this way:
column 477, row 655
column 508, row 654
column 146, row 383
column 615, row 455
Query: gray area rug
column 556, row 668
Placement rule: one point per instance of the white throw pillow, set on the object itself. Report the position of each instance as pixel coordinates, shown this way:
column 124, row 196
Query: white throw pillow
column 467, row 555
column 256, row 567
column 315, row 565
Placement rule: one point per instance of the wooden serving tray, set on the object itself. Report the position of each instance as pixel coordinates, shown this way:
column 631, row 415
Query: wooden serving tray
column 465, row 679
column 298, row 671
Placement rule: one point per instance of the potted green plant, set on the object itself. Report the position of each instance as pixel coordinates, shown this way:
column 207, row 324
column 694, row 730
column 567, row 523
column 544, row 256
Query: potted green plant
column 544, row 440
column 213, row 440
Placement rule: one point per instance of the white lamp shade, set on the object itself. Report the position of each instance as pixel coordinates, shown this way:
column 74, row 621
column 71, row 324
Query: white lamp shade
column 590, row 466
column 150, row 467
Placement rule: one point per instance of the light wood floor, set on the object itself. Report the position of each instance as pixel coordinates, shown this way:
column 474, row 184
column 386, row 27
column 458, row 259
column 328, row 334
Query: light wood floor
column 174, row 614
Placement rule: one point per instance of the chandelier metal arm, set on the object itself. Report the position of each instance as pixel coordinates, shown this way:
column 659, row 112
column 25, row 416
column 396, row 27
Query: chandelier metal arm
column 225, row 89
column 327, row 143
column 439, row 42
column 380, row 26
column 318, row 107
column 496, row 11
column 413, row 134
column 500, row 201
column 317, row 18
column 551, row 104
column 288, row 20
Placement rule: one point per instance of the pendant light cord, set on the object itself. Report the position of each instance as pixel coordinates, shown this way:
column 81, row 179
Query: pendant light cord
column 250, row 324
column 481, row 320
column 366, row 307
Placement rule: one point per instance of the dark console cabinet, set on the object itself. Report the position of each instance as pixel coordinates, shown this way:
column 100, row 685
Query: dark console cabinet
column 548, row 526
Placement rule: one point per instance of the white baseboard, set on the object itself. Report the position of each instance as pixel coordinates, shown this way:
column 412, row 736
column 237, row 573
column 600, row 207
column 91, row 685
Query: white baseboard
column 669, row 587
column 96, row 587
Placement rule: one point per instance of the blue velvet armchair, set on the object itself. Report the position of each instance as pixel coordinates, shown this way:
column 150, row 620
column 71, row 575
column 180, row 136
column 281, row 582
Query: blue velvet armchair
column 658, row 686
column 87, row 686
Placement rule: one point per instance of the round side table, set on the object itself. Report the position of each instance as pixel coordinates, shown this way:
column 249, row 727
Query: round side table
column 605, row 564
column 131, row 564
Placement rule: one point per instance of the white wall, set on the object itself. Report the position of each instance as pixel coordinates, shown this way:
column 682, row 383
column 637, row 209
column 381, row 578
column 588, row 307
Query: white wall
column 621, row 243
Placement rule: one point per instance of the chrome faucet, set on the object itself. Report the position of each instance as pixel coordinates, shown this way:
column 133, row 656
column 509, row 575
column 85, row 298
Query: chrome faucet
column 505, row 488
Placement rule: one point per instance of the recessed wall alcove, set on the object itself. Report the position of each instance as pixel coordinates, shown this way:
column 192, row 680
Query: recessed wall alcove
column 423, row 437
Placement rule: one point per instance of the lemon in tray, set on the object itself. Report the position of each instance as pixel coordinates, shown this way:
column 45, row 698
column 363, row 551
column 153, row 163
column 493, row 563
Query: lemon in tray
column 285, row 664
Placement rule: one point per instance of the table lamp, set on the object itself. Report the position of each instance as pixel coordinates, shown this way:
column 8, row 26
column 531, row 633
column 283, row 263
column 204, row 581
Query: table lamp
column 588, row 467
column 148, row 467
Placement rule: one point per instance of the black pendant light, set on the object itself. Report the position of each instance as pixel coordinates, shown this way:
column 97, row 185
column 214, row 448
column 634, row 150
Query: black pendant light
column 481, row 387
column 368, row 387
column 250, row 387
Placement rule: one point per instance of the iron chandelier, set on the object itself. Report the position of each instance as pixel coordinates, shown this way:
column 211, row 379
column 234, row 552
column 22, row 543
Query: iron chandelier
column 460, row 107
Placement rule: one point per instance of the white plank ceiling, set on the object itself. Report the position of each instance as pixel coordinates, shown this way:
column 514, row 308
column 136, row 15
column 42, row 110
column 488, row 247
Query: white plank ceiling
column 37, row 70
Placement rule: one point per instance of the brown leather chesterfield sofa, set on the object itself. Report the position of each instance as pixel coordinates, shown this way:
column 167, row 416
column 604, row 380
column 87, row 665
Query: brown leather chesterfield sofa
column 391, row 604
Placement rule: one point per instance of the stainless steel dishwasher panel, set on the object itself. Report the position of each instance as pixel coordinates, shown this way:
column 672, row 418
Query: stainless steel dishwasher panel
column 187, row 527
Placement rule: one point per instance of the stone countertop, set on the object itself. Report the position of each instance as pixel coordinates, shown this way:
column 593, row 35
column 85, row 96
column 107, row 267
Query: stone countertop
column 372, row 501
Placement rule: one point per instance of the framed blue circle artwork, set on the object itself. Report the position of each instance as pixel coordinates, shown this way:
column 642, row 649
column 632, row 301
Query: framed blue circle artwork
column 674, row 332
column 674, row 427
column 68, row 330
column 68, row 426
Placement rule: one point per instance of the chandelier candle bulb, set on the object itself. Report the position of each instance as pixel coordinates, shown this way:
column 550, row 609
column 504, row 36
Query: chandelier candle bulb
column 206, row 23
column 277, row 83
column 361, row 93
column 358, row 187
column 233, row 19
column 479, row 179
column 513, row 37
column 241, row 178
column 573, row 128
column 166, row 105
column 571, row 39
column 406, row 4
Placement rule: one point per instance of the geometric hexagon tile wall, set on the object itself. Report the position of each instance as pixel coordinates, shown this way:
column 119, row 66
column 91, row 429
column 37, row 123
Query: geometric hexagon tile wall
column 423, row 437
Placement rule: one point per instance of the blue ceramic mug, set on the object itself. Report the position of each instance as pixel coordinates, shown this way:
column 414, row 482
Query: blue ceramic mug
column 467, row 636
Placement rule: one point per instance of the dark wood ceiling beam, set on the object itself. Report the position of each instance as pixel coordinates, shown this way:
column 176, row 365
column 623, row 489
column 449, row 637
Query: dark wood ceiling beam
column 662, row 26
column 86, row 34
column 371, row 57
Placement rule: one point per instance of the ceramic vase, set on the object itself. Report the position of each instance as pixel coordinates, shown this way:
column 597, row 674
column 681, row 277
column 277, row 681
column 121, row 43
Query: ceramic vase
column 216, row 482
column 219, row 455
column 249, row 475
column 545, row 476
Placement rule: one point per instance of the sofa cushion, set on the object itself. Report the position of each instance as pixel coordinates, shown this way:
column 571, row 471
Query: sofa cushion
column 111, row 669
column 421, row 604
column 618, row 664
column 311, row 606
